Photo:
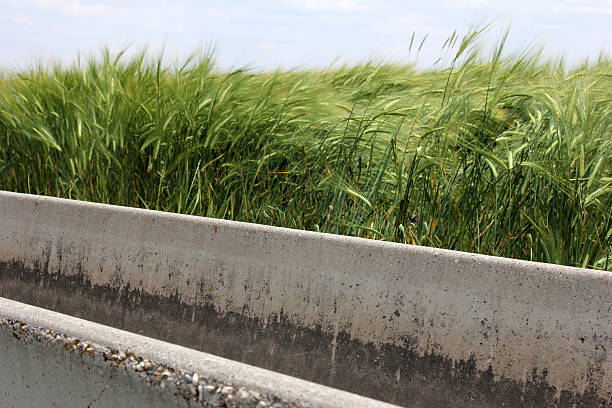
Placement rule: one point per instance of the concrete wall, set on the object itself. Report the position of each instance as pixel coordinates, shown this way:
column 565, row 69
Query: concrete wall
column 53, row 360
column 405, row 324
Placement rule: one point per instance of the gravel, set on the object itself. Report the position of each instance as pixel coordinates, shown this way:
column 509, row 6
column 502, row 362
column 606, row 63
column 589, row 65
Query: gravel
column 194, row 388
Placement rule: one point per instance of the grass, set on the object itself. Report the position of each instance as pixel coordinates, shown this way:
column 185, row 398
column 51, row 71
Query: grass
column 507, row 155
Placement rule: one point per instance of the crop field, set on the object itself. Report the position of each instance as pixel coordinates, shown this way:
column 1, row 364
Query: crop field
column 500, row 154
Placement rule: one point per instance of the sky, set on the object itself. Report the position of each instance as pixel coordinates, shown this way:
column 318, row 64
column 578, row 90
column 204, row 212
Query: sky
column 287, row 34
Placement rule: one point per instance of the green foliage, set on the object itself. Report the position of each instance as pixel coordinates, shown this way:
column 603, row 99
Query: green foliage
column 507, row 156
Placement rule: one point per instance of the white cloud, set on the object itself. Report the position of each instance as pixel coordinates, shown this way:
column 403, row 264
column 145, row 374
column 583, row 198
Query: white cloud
column 583, row 7
column 76, row 8
column 329, row 5
column 468, row 3
column 18, row 19
column 269, row 46
column 403, row 23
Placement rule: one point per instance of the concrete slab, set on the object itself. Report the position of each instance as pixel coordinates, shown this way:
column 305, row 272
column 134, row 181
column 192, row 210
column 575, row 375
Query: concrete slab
column 410, row 325
column 50, row 359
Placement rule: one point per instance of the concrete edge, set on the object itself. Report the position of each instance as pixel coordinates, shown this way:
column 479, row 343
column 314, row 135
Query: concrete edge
column 289, row 232
column 286, row 389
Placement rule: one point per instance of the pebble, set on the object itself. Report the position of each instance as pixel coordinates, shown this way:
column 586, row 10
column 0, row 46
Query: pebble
column 243, row 397
column 200, row 393
column 195, row 379
column 147, row 364
column 140, row 366
column 255, row 395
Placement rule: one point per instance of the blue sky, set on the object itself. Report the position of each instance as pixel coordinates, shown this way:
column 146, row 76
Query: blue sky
column 269, row 34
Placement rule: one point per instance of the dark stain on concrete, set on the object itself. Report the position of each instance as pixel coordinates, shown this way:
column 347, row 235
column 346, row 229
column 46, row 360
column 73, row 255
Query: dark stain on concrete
column 423, row 381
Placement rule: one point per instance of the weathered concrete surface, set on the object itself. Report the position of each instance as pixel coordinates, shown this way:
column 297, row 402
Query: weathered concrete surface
column 49, row 359
column 406, row 324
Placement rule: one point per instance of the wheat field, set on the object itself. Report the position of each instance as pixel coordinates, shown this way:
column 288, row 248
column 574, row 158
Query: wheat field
column 500, row 154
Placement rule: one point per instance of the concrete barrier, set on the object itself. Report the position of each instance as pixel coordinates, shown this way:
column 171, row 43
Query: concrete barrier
column 50, row 359
column 404, row 324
